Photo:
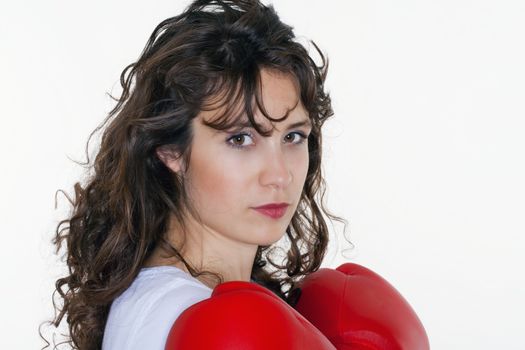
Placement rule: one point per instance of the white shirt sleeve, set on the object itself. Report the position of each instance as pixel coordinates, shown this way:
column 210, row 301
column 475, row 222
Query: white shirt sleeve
column 152, row 332
column 141, row 319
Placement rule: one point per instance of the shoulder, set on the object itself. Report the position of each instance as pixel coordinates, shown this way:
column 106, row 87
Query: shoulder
column 161, row 288
column 142, row 316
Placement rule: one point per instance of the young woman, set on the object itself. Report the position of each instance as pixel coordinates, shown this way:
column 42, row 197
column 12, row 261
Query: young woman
column 208, row 171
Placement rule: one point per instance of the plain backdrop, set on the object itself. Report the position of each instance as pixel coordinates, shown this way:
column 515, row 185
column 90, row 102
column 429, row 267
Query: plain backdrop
column 424, row 156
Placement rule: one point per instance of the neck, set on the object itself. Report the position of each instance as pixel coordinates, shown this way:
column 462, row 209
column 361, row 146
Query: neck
column 207, row 250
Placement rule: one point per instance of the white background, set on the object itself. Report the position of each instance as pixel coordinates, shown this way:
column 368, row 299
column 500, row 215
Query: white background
column 424, row 156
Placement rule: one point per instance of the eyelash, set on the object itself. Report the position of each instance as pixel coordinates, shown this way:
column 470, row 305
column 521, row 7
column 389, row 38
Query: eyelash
column 302, row 136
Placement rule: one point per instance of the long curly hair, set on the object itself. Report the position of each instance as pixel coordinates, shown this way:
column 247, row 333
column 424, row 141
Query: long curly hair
column 213, row 51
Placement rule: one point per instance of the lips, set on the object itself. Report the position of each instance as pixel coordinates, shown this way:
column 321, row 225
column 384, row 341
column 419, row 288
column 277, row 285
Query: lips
column 273, row 210
column 273, row 206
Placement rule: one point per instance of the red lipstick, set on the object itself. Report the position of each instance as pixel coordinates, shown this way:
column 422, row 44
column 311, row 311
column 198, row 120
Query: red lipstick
column 273, row 210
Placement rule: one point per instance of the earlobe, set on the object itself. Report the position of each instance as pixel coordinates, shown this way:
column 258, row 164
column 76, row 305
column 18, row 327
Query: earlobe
column 171, row 159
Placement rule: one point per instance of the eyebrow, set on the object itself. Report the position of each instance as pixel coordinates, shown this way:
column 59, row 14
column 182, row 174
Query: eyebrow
column 246, row 124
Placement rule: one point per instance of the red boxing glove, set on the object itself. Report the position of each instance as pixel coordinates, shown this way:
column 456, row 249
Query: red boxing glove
column 243, row 315
column 356, row 309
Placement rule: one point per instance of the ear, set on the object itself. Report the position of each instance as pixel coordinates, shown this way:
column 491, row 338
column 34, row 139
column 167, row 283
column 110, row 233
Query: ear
column 170, row 158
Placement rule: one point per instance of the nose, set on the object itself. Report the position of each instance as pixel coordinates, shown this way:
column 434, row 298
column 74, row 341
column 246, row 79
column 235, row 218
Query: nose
column 275, row 170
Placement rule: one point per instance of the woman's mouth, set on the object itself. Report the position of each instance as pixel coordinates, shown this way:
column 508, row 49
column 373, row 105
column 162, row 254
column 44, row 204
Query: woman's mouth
column 275, row 211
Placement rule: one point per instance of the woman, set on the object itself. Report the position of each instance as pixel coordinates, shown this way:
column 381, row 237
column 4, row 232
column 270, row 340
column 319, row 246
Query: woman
column 209, row 166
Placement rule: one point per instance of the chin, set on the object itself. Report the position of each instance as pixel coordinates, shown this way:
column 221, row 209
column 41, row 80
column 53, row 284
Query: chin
column 273, row 238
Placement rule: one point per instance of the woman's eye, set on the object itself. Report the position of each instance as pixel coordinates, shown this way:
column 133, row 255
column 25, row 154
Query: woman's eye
column 237, row 141
column 300, row 139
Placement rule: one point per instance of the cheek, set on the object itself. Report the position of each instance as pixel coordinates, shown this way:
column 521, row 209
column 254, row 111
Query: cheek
column 299, row 165
column 216, row 184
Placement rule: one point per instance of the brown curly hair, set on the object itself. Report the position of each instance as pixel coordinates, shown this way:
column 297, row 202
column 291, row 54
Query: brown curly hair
column 215, row 48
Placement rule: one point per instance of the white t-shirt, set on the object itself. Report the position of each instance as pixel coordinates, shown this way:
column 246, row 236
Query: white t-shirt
column 142, row 316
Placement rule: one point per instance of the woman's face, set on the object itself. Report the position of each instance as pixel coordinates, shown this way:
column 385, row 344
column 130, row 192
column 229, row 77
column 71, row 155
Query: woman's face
column 230, row 173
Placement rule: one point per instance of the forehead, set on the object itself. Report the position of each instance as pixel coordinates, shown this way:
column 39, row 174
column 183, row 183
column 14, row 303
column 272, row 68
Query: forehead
column 278, row 97
column 294, row 116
